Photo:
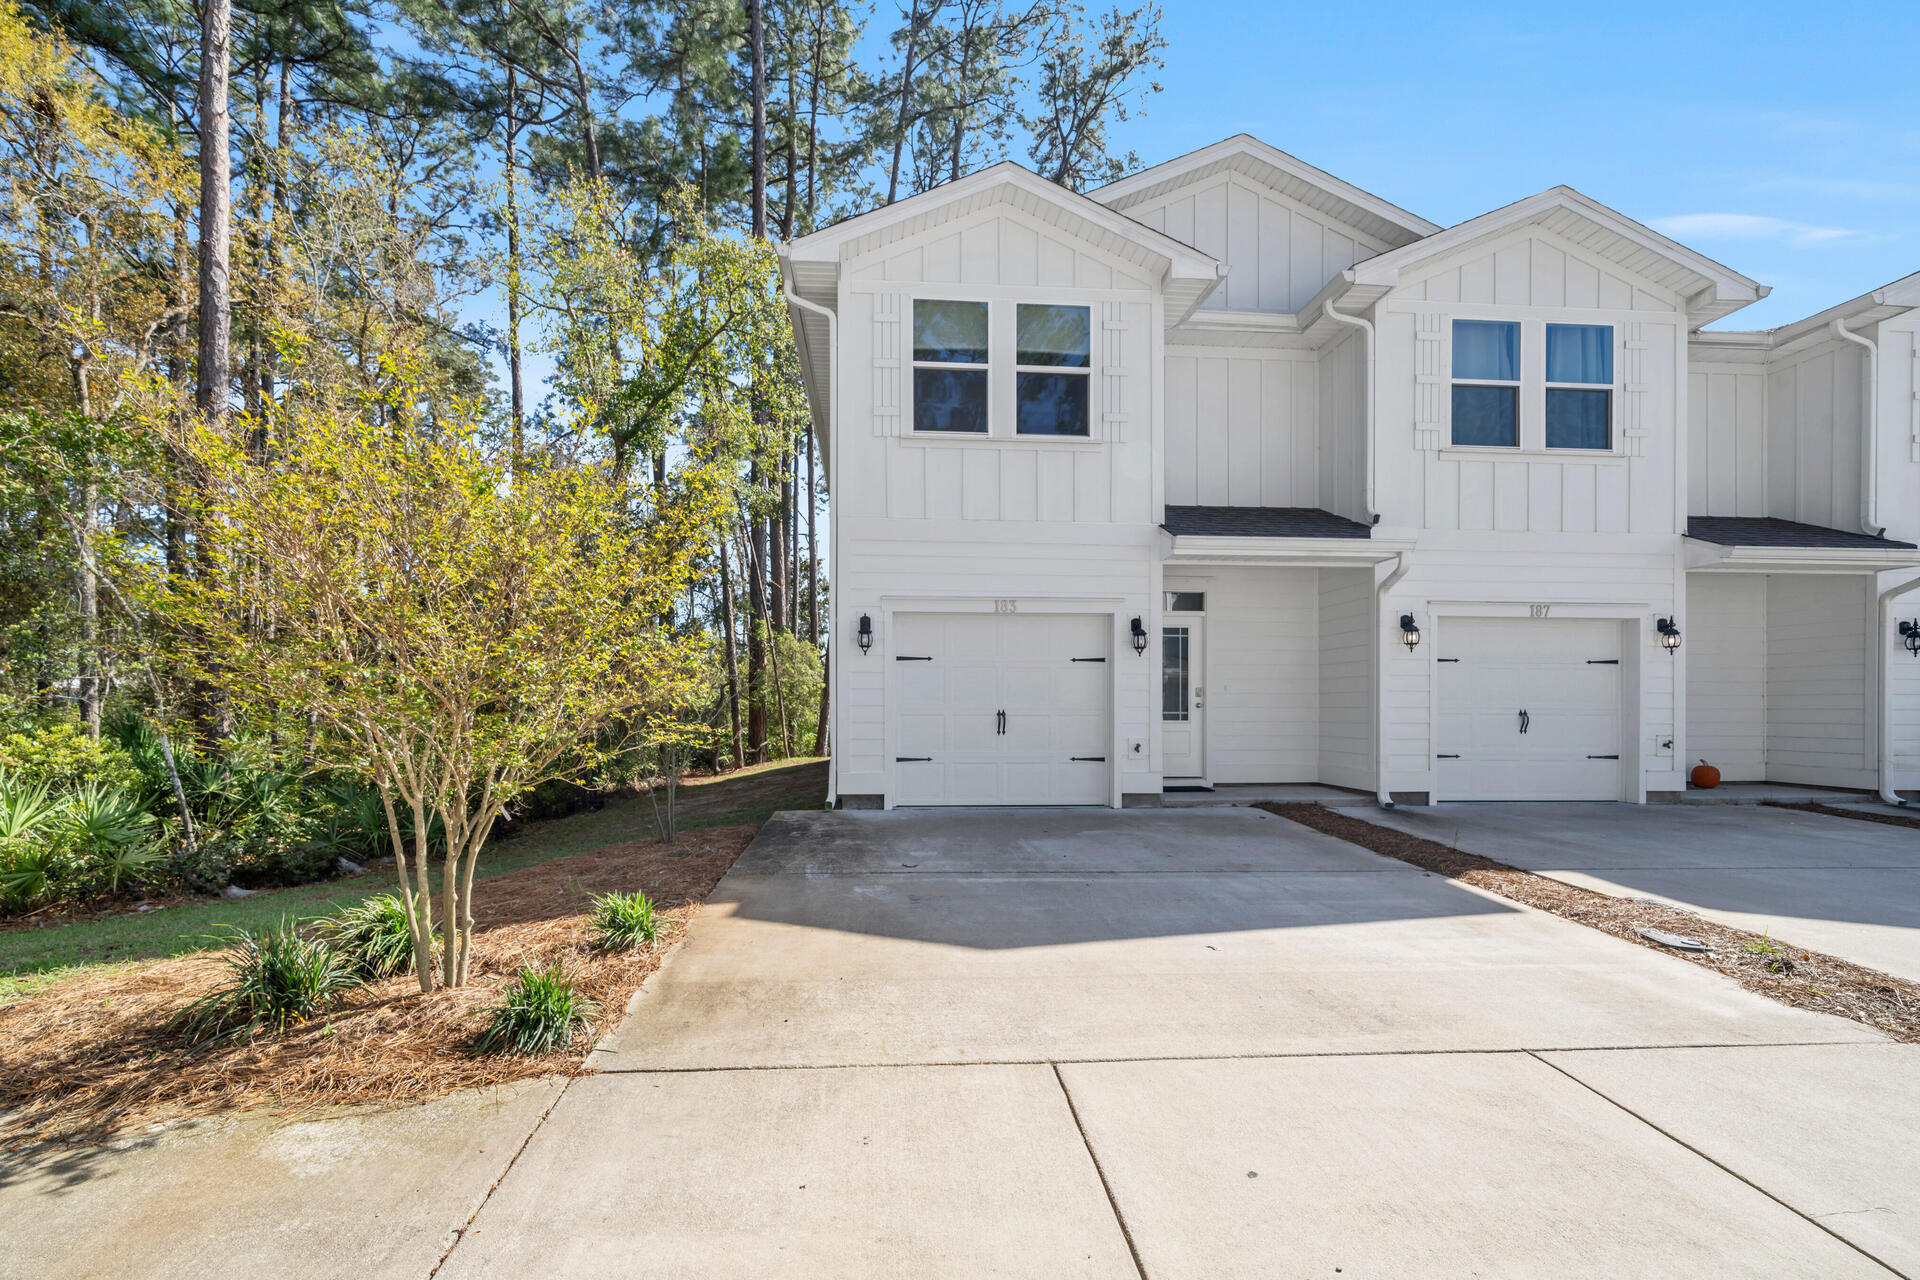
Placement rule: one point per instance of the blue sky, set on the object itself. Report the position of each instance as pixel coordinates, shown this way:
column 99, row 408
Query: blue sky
column 1783, row 141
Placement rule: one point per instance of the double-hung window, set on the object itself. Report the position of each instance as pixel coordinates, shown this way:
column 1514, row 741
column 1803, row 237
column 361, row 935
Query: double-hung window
column 1579, row 386
column 1052, row 370
column 950, row 384
column 1486, row 383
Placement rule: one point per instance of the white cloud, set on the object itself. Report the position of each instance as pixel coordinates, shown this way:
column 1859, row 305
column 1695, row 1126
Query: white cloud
column 1747, row 226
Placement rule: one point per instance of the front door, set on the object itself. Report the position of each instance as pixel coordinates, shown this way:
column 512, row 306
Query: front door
column 1182, row 699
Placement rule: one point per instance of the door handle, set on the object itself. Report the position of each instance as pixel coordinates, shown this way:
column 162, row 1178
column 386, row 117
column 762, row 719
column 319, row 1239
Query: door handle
column 1525, row 720
column 1000, row 723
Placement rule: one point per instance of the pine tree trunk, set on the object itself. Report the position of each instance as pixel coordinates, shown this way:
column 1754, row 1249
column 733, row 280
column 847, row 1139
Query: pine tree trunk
column 733, row 660
column 216, row 210
column 757, row 38
column 518, row 393
column 756, row 641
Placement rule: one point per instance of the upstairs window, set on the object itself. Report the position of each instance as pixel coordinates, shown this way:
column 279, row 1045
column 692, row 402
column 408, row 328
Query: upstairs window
column 1486, row 383
column 1579, row 386
column 950, row 366
column 1052, row 370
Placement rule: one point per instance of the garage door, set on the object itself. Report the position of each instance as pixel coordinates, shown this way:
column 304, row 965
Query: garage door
column 1529, row 709
column 1000, row 708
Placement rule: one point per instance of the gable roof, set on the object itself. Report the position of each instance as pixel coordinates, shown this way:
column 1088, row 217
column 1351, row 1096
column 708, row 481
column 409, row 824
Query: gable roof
column 1189, row 275
column 1272, row 167
column 1708, row 289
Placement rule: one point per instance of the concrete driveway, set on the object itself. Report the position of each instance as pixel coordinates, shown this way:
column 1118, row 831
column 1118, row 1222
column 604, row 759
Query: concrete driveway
column 1838, row 885
column 1196, row 1044
column 1052, row 1044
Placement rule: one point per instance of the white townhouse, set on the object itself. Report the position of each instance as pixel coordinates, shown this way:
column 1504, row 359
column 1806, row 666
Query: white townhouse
column 1230, row 472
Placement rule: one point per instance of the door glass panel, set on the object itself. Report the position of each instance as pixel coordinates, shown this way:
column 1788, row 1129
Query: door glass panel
column 1186, row 602
column 1174, row 674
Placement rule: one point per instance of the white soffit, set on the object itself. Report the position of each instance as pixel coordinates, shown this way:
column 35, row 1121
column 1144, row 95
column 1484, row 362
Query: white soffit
column 1708, row 289
column 1273, row 168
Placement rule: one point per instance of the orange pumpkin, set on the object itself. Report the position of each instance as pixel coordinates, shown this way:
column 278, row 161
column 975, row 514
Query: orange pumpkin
column 1705, row 776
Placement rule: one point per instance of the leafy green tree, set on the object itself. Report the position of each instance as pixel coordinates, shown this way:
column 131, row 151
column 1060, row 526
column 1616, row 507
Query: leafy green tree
column 1082, row 92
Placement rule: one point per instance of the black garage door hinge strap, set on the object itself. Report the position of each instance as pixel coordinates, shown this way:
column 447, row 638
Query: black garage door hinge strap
column 1446, row 756
column 1086, row 659
column 1603, row 662
column 1097, row 759
column 1446, row 659
column 1603, row 757
column 901, row 657
column 912, row 759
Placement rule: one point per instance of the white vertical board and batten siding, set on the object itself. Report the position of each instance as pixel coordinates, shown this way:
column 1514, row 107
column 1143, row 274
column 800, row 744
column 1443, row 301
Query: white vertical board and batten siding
column 1278, row 251
column 1727, row 440
column 1242, row 428
column 950, row 522
column 1576, row 533
column 1815, row 414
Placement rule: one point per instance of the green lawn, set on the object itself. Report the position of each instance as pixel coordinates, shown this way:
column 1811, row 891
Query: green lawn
column 33, row 959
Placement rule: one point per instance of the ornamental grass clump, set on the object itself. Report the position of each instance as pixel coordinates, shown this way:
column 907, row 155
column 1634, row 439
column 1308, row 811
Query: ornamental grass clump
column 537, row 1014
column 624, row 921
column 373, row 936
column 278, row 978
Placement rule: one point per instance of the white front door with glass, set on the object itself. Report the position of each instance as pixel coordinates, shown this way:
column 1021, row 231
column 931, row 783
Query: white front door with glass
column 1182, row 693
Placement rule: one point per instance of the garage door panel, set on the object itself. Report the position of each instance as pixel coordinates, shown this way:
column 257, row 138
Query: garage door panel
column 1564, row 674
column 982, row 665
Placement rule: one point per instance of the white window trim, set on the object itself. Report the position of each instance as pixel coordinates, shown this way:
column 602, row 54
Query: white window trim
column 1532, row 424
column 1003, row 409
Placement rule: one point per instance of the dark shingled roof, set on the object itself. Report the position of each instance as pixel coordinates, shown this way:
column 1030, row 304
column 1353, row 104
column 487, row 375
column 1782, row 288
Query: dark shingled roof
column 1765, row 531
column 1261, row 522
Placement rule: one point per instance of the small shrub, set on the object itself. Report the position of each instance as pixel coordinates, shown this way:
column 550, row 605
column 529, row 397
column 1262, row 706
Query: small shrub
column 1774, row 957
column 537, row 1013
column 278, row 978
column 27, row 812
column 623, row 921
column 60, row 754
column 373, row 936
column 29, row 875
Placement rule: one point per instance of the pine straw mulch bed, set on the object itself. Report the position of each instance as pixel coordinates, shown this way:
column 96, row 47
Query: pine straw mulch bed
column 1859, row 815
column 1804, row 979
column 91, row 1056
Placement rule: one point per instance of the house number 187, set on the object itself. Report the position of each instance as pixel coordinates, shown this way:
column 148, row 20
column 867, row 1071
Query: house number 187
column 1538, row 610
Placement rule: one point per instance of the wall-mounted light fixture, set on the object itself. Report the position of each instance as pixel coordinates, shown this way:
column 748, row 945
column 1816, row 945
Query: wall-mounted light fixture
column 1409, row 632
column 865, row 636
column 1139, row 634
column 1669, row 634
column 1910, row 636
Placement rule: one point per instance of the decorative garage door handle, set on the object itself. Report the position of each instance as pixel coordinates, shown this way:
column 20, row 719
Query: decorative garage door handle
column 1000, row 723
column 1525, row 720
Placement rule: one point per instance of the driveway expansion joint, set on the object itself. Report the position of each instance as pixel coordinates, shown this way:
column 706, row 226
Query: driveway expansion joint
column 1126, row 1232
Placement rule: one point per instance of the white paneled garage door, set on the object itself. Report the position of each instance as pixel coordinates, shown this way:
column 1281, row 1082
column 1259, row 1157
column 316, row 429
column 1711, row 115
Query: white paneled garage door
column 1529, row 709
column 1001, row 708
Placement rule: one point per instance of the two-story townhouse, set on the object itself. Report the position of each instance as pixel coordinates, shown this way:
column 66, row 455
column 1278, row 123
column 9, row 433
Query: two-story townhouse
column 1231, row 472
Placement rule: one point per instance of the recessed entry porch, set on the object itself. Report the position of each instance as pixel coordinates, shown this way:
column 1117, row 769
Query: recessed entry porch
column 1267, row 628
column 1787, row 652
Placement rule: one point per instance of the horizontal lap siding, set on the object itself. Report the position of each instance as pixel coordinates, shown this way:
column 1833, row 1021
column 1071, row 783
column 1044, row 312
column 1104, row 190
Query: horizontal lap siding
column 1817, row 680
column 1261, row 674
column 1346, row 704
column 1726, row 656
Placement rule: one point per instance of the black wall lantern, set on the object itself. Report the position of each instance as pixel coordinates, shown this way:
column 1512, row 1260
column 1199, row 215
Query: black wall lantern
column 1669, row 634
column 1910, row 636
column 865, row 636
column 1409, row 632
column 1139, row 634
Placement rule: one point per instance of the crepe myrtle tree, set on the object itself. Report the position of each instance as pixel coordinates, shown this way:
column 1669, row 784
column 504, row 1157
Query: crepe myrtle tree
column 458, row 629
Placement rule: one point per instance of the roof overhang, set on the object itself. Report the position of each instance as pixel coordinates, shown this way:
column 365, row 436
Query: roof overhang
column 1707, row 290
column 1714, row 557
column 1273, row 168
column 1868, row 309
column 1279, row 553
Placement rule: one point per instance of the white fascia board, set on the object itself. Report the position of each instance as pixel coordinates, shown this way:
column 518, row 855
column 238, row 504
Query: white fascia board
column 1130, row 188
column 1720, row 289
column 1283, row 553
column 1714, row 557
column 1180, row 261
column 1878, row 304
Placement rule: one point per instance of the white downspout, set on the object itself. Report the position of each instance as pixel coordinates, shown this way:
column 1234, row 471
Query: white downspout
column 1870, row 454
column 1366, row 398
column 1887, row 793
column 1400, row 567
column 833, row 543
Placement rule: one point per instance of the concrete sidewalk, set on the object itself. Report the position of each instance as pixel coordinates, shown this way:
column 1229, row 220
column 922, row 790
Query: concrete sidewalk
column 1194, row 1043
column 1838, row 885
